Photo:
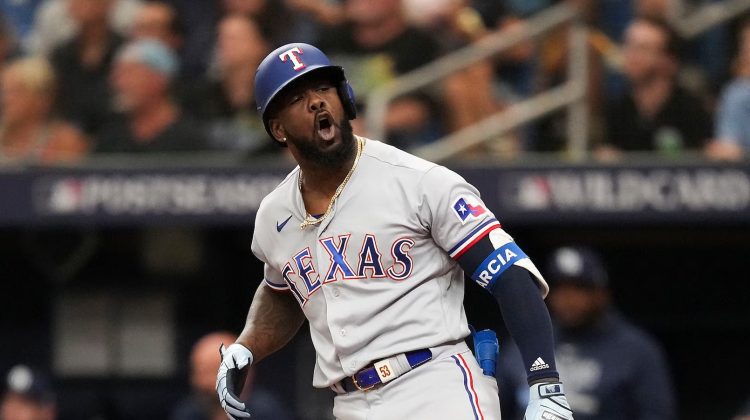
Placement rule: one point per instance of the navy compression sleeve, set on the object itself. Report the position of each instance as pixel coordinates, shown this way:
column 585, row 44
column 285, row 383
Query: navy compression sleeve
column 520, row 301
column 528, row 321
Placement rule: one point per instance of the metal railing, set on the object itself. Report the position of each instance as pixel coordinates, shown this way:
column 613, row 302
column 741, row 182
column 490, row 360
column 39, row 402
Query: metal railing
column 689, row 25
column 570, row 94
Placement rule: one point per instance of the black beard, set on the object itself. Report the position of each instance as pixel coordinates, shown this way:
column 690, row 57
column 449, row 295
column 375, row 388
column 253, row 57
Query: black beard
column 333, row 158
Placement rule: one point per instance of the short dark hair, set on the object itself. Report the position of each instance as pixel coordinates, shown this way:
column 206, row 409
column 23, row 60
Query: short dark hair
column 674, row 43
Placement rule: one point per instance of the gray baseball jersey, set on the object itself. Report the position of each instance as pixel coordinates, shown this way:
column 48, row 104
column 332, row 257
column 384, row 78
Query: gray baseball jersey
column 379, row 275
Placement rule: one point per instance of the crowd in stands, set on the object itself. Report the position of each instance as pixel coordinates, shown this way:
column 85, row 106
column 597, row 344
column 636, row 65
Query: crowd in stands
column 87, row 77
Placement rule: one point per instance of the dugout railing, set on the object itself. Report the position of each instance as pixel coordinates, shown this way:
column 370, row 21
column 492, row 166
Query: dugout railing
column 569, row 96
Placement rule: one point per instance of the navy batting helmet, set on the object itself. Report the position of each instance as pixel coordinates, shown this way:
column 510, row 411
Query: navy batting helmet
column 290, row 62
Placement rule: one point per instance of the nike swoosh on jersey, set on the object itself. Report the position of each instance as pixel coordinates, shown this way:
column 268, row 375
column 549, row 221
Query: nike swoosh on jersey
column 281, row 226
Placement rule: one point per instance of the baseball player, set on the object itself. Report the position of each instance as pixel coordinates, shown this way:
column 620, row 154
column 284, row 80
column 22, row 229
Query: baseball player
column 371, row 245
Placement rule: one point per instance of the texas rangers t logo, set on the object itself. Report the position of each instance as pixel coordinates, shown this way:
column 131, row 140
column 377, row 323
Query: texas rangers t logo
column 467, row 207
column 293, row 54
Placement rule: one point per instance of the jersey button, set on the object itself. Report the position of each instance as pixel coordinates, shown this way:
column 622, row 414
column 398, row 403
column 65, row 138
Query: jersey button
column 353, row 365
column 342, row 332
column 336, row 292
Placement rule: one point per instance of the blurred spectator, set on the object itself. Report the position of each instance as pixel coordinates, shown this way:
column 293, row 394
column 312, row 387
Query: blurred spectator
column 455, row 24
column 515, row 67
column 612, row 369
column 708, row 53
column 744, row 413
column 273, row 16
column 732, row 133
column 148, row 120
column 29, row 132
column 54, row 23
column 158, row 20
column 705, row 57
column 324, row 12
column 83, row 65
column 430, row 14
column 20, row 14
column 458, row 23
column 605, row 22
column 227, row 99
column 201, row 18
column 377, row 39
column 198, row 18
column 656, row 113
column 7, row 41
column 375, row 45
column 203, row 403
column 513, row 73
column 28, row 396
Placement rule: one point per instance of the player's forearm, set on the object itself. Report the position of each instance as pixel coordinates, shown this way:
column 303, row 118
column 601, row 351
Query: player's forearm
column 274, row 318
column 528, row 321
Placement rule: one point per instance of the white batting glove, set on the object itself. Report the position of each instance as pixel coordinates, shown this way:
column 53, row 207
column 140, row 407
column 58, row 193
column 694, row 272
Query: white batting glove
column 228, row 385
column 547, row 402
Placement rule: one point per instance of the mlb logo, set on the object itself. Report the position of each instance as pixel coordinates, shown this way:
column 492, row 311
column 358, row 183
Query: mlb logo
column 468, row 207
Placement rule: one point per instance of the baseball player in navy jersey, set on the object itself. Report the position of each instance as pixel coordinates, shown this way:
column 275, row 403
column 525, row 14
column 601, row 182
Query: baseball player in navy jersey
column 372, row 245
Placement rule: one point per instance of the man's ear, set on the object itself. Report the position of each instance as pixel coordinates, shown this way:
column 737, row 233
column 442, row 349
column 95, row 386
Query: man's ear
column 277, row 130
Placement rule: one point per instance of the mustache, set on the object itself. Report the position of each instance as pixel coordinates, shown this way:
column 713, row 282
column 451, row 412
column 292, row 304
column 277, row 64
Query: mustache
column 331, row 158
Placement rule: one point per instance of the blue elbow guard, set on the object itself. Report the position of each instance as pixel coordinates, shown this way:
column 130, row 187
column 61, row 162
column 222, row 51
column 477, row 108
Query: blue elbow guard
column 486, row 350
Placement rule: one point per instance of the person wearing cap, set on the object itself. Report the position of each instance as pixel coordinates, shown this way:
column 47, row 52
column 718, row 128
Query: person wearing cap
column 613, row 369
column 28, row 396
column 149, row 120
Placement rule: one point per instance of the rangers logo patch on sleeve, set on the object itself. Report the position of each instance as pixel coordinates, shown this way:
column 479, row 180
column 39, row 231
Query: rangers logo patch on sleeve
column 468, row 207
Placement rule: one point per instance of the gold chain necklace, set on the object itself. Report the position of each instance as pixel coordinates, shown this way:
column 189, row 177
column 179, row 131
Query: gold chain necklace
column 309, row 219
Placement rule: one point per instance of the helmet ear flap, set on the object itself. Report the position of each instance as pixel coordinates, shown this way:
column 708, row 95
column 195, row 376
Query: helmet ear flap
column 346, row 93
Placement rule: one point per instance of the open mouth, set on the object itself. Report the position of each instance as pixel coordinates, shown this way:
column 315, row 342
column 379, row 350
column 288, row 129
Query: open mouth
column 324, row 126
